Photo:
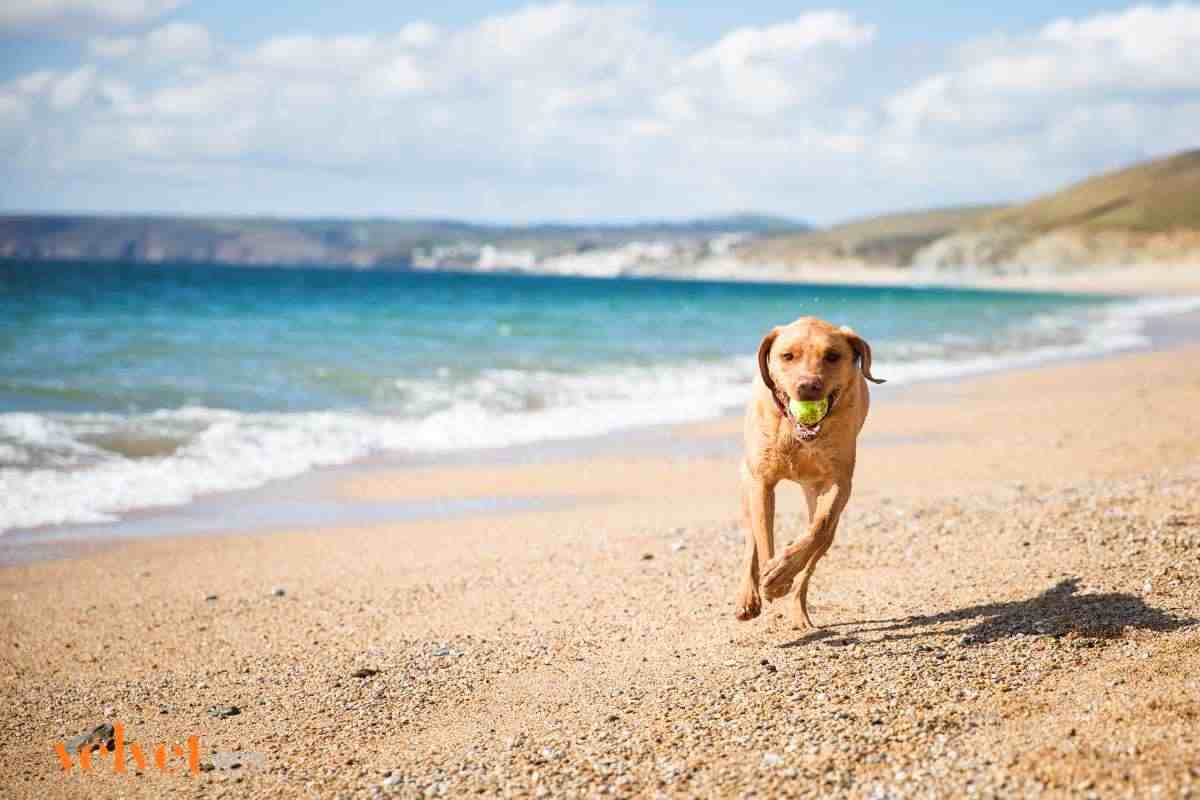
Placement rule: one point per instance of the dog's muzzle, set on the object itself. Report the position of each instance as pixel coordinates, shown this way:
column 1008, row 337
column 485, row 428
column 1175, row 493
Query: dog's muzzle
column 807, row 433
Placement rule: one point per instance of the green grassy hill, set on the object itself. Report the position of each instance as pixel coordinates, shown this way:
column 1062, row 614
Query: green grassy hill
column 1150, row 197
column 890, row 239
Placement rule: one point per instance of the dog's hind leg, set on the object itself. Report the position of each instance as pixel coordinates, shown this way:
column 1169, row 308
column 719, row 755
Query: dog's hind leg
column 800, row 599
column 758, row 516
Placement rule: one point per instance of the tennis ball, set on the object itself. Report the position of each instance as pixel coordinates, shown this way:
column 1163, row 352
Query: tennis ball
column 809, row 412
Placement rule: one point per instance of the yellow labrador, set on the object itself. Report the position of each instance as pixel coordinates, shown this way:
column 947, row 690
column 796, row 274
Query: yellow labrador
column 809, row 359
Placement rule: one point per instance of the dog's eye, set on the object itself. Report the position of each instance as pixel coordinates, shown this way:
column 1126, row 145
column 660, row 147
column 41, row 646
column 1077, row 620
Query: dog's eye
column 833, row 356
column 787, row 356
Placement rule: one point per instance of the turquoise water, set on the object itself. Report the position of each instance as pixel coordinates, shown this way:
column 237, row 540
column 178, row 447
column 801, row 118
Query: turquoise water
column 125, row 386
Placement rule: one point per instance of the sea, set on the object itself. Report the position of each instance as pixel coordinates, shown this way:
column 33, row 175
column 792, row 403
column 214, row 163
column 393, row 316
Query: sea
column 126, row 387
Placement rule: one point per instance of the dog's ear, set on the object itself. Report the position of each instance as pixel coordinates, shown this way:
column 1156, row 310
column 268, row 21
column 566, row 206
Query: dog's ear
column 764, row 365
column 862, row 350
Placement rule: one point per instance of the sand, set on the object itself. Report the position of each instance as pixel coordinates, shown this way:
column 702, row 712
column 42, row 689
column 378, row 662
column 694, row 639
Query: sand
column 1010, row 609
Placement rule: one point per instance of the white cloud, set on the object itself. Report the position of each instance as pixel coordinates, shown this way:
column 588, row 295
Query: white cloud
column 175, row 41
column 398, row 75
column 179, row 40
column 69, row 90
column 564, row 110
column 112, row 46
column 75, row 16
column 1057, row 103
column 1143, row 51
column 317, row 55
column 418, row 34
column 766, row 70
column 744, row 46
column 13, row 107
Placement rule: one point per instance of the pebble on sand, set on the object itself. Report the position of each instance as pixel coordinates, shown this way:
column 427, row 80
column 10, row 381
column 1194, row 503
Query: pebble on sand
column 99, row 736
column 223, row 712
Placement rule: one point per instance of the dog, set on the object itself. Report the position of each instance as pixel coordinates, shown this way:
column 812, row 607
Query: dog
column 806, row 360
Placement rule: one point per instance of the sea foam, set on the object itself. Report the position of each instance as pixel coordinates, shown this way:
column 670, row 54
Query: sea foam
column 65, row 468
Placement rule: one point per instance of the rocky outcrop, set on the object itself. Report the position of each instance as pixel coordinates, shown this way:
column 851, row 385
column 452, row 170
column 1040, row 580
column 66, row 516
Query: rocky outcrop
column 1012, row 250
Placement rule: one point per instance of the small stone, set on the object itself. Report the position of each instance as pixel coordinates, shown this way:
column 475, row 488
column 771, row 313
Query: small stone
column 677, row 546
column 99, row 736
column 279, row 591
column 772, row 760
column 210, row 597
column 236, row 760
column 224, row 712
column 845, row 641
column 772, row 668
column 647, row 556
column 364, row 672
column 391, row 780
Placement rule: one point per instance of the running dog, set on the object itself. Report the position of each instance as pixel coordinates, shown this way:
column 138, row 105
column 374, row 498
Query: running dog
column 807, row 360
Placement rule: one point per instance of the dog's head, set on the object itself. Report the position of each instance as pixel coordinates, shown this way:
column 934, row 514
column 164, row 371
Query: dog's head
column 811, row 359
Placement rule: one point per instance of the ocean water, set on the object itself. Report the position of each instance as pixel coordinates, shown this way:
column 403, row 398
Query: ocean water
column 128, row 386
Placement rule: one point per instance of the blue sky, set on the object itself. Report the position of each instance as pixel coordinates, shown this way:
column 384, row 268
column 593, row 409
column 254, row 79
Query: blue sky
column 522, row 112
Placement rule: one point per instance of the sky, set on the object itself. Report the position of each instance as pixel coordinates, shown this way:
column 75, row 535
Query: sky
column 573, row 111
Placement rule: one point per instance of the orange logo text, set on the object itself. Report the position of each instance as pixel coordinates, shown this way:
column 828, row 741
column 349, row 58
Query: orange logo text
column 117, row 747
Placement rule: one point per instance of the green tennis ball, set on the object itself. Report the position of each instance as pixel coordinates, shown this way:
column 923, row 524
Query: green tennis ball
column 809, row 412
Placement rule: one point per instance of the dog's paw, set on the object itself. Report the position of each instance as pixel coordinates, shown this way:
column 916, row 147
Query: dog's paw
column 802, row 620
column 778, row 577
column 749, row 604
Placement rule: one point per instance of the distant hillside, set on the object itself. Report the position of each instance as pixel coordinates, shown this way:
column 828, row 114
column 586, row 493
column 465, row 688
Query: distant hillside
column 1151, row 197
column 1147, row 213
column 888, row 240
column 366, row 243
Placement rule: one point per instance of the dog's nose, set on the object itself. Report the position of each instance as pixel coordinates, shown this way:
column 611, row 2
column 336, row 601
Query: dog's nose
column 810, row 388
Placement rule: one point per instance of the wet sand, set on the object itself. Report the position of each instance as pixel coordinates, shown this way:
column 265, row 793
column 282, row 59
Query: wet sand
column 1011, row 608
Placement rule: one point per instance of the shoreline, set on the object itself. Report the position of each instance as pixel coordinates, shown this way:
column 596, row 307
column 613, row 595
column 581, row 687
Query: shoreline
column 1151, row 279
column 1125, row 281
column 311, row 500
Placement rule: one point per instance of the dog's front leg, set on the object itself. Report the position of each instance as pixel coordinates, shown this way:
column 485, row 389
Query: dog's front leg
column 782, row 570
column 758, row 515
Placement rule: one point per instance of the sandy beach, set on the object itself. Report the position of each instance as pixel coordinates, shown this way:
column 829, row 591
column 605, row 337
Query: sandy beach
column 1010, row 609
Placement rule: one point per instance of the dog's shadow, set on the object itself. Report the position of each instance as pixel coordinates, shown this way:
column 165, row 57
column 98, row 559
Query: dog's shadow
column 1059, row 611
